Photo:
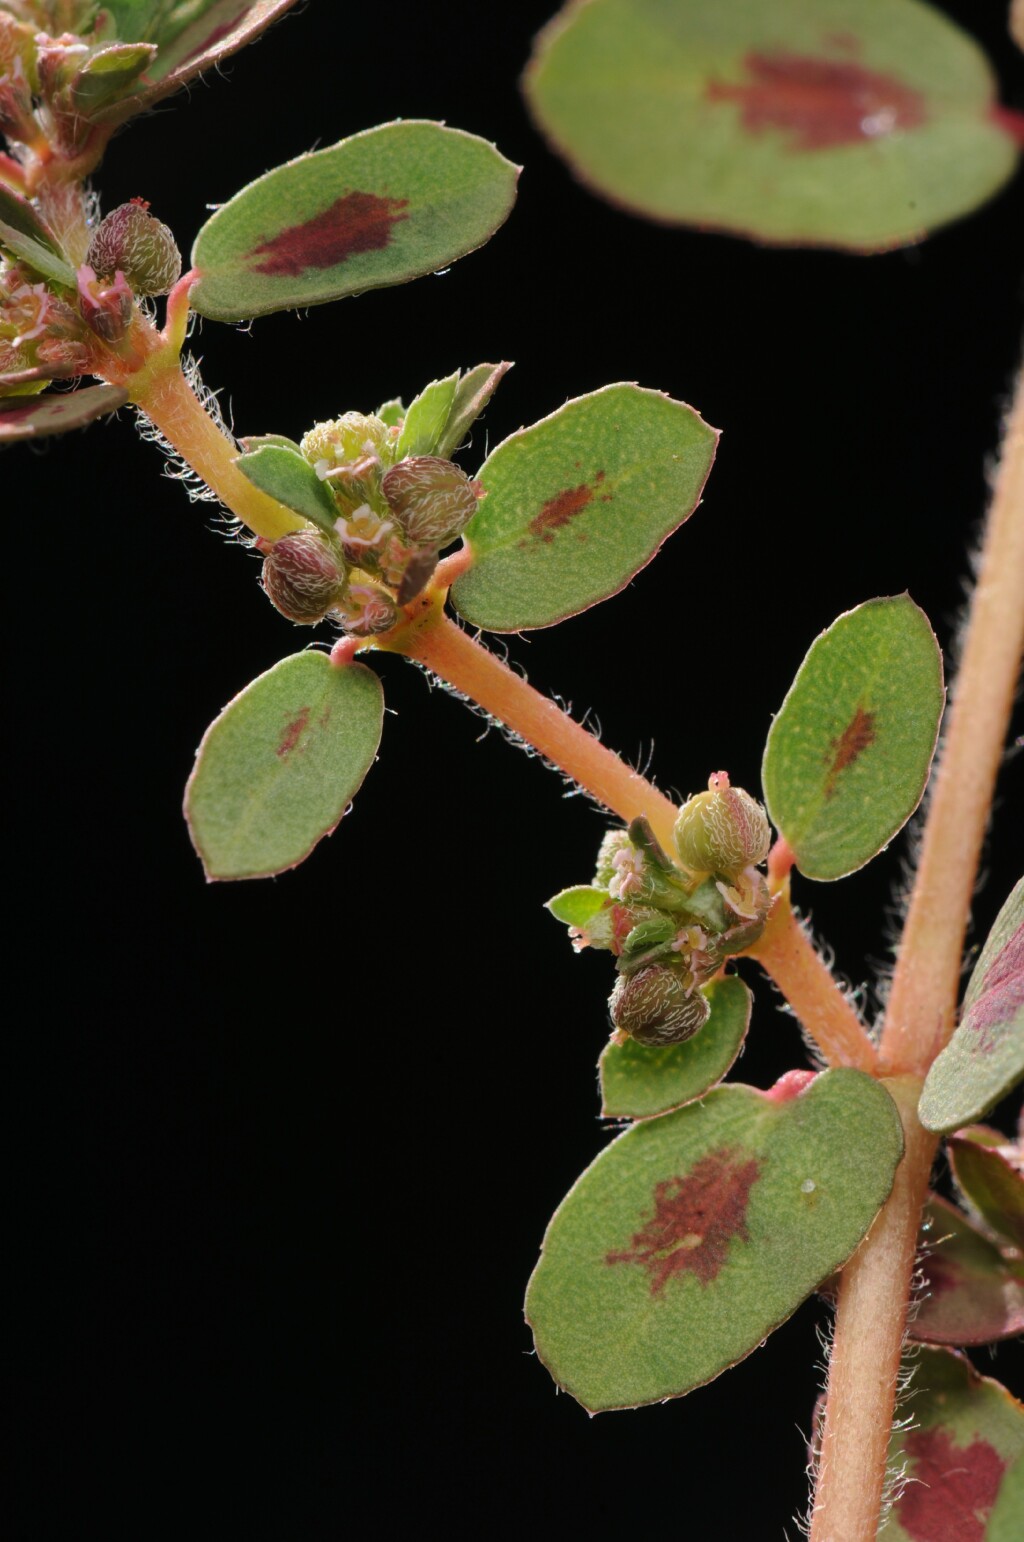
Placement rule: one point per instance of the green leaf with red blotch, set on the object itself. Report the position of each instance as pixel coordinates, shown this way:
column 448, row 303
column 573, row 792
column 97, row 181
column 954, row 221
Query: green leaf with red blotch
column 284, row 473
column 382, row 207
column 971, row 1293
column 577, row 504
column 638, row 1082
column 803, row 122
column 693, row 1235
column 25, row 237
column 1006, row 1522
column 984, row 1059
column 991, row 1179
column 848, row 755
column 190, row 38
column 58, row 413
column 474, row 391
column 278, row 768
column 961, row 1435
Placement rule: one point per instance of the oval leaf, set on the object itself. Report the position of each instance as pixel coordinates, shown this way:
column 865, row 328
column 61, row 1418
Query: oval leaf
column 956, row 1448
column 694, row 1235
column 848, row 755
column 992, row 1181
column 985, row 1057
column 58, row 414
column 971, row 1293
column 286, row 475
column 820, row 122
column 637, row 1083
column 208, row 34
column 579, row 503
column 380, row 208
column 278, row 768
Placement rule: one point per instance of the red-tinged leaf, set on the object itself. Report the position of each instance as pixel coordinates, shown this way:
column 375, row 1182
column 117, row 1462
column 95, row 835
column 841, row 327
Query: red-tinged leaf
column 58, row 414
column 223, row 27
column 695, row 1234
column 383, row 207
column 25, row 235
column 841, row 123
column 964, row 1432
column 992, row 1181
column 970, row 1293
column 984, row 1060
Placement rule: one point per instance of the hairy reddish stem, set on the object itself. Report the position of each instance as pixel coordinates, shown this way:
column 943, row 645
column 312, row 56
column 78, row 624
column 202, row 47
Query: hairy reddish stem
column 786, row 953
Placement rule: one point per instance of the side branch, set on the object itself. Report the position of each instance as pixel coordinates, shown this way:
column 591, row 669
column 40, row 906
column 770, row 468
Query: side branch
column 786, row 953
column 922, row 1003
column 468, row 666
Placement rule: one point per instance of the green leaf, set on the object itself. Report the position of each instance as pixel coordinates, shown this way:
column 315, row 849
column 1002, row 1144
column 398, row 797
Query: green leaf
column 24, row 235
column 107, row 75
column 474, row 391
column 694, row 1235
column 984, row 1059
column 278, row 768
column 425, row 420
column 191, row 37
column 848, row 755
column 391, row 412
column 839, row 123
column 971, row 1294
column 992, row 1182
column 287, row 476
column 58, row 414
column 380, row 208
column 253, row 442
column 575, row 906
column 637, row 1083
column 1007, row 1519
column 577, row 504
column 960, row 1436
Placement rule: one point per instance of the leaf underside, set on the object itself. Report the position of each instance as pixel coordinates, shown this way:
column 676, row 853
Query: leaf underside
column 804, row 122
column 58, row 413
column 970, row 1293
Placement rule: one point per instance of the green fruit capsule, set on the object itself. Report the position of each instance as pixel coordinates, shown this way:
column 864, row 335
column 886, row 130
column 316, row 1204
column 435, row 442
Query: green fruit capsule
column 656, row 1007
column 432, row 500
column 303, row 577
column 722, row 830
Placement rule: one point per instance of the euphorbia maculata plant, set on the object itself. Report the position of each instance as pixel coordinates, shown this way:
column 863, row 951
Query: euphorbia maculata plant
column 720, row 1207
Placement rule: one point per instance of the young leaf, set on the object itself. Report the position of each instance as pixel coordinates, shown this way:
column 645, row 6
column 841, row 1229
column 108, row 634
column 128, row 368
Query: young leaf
column 637, row 1083
column 189, row 42
column 956, row 1446
column 992, row 1182
column 804, row 122
column 380, row 208
column 985, row 1057
column 391, row 412
column 694, row 1235
column 24, row 235
column 575, row 906
column 426, row 418
column 287, row 476
column 971, row 1293
column 107, row 75
column 577, row 504
column 848, row 755
column 474, row 391
column 58, row 414
column 278, row 768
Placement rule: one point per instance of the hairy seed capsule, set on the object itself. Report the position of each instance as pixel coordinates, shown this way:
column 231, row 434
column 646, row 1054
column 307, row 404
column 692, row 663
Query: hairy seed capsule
column 302, row 576
column 352, row 437
column 134, row 241
column 655, row 1008
column 432, row 499
column 722, row 830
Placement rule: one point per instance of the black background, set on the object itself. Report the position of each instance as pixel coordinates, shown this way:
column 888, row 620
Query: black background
column 284, row 1152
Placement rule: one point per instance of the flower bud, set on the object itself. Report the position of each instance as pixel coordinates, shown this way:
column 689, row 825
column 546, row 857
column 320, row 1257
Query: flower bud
column 367, row 610
column 134, row 241
column 722, row 830
column 302, row 576
column 432, row 500
column 351, row 437
column 106, row 308
column 656, row 1008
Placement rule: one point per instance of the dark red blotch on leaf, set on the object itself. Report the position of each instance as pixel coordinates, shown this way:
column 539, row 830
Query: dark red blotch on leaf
column 821, row 102
column 952, row 1488
column 695, row 1218
column 563, row 508
column 354, row 223
column 855, row 738
column 295, row 727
